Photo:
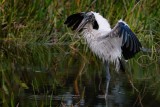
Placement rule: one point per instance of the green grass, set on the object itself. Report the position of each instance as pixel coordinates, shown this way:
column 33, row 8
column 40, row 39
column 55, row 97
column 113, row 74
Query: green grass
column 33, row 38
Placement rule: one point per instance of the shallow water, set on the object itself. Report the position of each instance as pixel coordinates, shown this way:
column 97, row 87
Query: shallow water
column 91, row 94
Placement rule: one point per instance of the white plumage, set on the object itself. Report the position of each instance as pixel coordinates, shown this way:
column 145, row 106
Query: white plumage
column 108, row 44
column 102, row 22
column 108, row 49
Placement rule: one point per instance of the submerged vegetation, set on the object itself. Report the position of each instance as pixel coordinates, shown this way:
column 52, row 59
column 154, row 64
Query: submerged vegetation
column 38, row 53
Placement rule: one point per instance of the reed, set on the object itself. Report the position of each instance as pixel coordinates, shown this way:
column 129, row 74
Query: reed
column 36, row 49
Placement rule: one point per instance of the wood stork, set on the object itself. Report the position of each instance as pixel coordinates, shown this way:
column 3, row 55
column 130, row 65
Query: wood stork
column 110, row 45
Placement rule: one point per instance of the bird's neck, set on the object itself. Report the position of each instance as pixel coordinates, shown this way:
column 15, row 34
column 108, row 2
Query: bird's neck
column 102, row 22
column 104, row 25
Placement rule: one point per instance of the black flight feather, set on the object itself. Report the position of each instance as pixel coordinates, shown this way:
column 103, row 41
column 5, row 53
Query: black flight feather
column 130, row 43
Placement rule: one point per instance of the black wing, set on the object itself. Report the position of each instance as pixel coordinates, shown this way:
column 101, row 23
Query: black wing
column 74, row 20
column 130, row 43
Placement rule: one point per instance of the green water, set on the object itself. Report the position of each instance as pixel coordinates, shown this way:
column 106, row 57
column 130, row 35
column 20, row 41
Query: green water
column 91, row 92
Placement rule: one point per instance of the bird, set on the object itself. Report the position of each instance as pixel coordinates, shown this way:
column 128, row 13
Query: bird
column 111, row 45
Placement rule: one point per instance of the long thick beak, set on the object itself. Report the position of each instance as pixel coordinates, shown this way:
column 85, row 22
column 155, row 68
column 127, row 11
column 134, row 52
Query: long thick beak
column 83, row 23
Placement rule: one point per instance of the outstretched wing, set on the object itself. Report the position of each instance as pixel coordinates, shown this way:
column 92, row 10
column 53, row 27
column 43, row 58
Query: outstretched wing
column 74, row 20
column 77, row 21
column 130, row 43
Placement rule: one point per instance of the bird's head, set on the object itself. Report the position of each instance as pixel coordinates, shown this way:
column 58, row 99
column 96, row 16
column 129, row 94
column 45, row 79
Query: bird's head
column 89, row 18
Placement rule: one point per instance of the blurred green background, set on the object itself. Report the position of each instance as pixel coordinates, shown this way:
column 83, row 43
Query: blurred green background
column 39, row 53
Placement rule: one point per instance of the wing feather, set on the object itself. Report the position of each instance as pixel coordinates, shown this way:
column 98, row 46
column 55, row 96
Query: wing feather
column 130, row 43
column 74, row 20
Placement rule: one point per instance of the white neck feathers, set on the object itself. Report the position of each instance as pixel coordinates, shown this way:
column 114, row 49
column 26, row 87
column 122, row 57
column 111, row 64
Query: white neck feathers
column 102, row 22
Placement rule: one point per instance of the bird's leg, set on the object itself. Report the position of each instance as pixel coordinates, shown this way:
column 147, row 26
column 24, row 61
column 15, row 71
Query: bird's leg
column 108, row 77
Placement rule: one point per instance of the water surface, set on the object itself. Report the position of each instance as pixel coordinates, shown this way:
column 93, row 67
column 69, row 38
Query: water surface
column 91, row 94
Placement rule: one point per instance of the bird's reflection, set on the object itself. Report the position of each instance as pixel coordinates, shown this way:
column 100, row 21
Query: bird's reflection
column 117, row 97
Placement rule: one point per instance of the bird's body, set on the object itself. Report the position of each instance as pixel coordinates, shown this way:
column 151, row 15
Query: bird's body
column 108, row 49
column 108, row 44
